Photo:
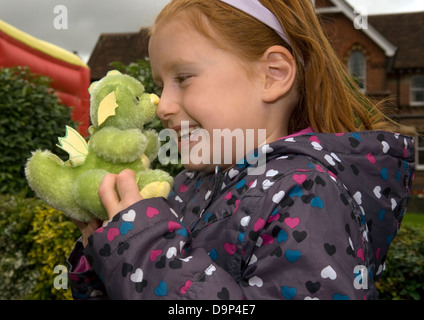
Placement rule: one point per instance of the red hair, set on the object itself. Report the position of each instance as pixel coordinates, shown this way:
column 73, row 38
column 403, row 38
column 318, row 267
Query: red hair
column 330, row 100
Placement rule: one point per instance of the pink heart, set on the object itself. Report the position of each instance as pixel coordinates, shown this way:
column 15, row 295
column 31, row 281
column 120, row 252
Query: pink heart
column 360, row 254
column 377, row 254
column 371, row 158
column 112, row 233
column 267, row 239
column 154, row 254
column 299, row 178
column 100, row 230
column 172, row 226
column 274, row 217
column 260, row 224
column 151, row 212
column 183, row 188
column 228, row 196
column 230, row 248
column 186, row 286
column 291, row 222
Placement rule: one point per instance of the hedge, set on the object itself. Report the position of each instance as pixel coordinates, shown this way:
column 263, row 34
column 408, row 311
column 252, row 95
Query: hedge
column 34, row 239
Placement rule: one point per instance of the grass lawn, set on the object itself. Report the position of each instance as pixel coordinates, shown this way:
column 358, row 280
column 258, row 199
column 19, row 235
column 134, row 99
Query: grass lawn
column 414, row 219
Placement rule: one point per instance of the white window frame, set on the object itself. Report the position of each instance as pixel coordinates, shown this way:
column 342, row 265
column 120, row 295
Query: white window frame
column 414, row 89
column 418, row 148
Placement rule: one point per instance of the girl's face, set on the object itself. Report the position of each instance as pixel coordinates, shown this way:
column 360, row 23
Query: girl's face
column 209, row 89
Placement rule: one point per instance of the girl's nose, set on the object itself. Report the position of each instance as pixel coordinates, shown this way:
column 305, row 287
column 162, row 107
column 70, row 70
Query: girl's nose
column 167, row 106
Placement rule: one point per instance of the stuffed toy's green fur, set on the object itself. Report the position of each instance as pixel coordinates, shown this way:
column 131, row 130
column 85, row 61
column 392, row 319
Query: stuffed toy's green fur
column 119, row 109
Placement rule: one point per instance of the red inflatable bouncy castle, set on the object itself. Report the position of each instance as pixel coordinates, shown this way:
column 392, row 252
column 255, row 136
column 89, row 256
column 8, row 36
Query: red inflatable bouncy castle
column 71, row 76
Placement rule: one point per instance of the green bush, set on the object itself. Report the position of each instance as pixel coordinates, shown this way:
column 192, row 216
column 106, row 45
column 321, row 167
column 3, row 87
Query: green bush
column 34, row 238
column 404, row 275
column 31, row 118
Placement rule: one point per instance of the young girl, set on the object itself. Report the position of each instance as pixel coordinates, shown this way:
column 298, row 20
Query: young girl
column 314, row 222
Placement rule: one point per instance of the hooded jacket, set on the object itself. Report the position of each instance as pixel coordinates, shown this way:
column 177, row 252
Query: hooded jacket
column 316, row 224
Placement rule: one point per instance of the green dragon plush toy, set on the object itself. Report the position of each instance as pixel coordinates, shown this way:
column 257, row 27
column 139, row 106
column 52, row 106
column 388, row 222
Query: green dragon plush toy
column 119, row 109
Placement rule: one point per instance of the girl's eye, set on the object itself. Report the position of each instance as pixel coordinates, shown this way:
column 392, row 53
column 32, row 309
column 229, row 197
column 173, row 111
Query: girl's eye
column 182, row 78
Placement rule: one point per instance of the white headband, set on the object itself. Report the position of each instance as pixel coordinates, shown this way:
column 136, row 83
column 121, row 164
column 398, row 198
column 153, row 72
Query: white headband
column 255, row 9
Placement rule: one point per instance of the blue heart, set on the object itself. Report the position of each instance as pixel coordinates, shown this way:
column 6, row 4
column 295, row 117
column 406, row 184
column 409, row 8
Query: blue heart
column 338, row 296
column 162, row 289
column 288, row 293
column 241, row 236
column 183, row 232
column 383, row 174
column 296, row 192
column 292, row 256
column 282, row 236
column 317, row 203
column 213, row 254
column 381, row 214
column 125, row 227
column 389, row 239
column 240, row 184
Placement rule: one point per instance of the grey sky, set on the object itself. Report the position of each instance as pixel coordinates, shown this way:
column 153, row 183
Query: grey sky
column 88, row 19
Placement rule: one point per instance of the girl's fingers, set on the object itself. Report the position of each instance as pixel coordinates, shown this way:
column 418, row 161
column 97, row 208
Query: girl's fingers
column 108, row 195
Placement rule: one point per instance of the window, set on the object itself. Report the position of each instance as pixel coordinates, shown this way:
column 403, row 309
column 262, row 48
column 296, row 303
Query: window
column 420, row 151
column 417, row 91
column 358, row 68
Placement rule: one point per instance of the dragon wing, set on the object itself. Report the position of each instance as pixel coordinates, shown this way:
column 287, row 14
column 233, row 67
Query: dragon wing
column 75, row 145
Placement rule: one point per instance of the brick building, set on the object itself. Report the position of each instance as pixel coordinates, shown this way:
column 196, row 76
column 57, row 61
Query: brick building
column 384, row 52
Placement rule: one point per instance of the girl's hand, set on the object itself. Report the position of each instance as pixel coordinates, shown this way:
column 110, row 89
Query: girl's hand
column 87, row 229
column 118, row 192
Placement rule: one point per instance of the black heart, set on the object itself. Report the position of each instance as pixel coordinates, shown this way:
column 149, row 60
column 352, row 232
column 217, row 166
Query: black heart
column 320, row 181
column 329, row 249
column 105, row 251
column 277, row 252
column 126, row 268
column 176, row 264
column 224, row 294
column 353, row 142
column 299, row 236
column 161, row 263
column 313, row 286
column 308, row 184
column 122, row 247
column 139, row 286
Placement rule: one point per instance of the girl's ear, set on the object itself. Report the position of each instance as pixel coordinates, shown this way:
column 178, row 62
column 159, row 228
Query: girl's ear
column 279, row 69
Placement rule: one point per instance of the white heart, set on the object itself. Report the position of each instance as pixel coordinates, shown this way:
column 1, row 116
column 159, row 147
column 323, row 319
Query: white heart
column 245, row 221
column 329, row 159
column 328, row 272
column 380, row 269
column 137, row 276
column 336, row 157
column 253, row 185
column 377, row 192
column 233, row 173
column 129, row 217
column 210, row 270
column 394, row 204
column 278, row 197
column 255, row 281
column 174, row 213
column 386, row 147
column 179, row 199
column 267, row 184
column 182, row 244
column 208, row 194
column 187, row 259
column 358, row 197
column 317, row 146
column 171, row 252
column 267, row 149
column 309, row 298
column 290, row 140
column 271, row 173
column 253, row 259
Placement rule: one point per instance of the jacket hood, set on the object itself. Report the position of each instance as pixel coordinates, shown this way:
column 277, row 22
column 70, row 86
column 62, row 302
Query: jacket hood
column 377, row 169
